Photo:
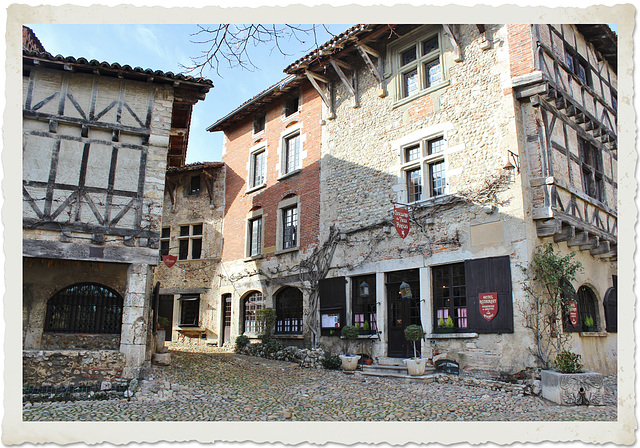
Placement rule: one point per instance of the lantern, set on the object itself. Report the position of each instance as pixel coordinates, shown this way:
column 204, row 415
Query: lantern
column 405, row 290
column 364, row 289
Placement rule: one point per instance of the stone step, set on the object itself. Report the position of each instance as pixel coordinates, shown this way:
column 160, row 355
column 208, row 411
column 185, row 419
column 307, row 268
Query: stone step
column 382, row 368
column 386, row 361
column 429, row 376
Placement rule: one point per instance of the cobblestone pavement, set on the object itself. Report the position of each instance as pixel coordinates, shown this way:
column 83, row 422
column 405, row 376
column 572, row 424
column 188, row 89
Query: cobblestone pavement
column 205, row 385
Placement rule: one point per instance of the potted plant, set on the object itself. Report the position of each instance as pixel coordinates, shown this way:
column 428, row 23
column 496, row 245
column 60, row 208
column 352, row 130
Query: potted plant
column 163, row 324
column 588, row 324
column 417, row 365
column 569, row 384
column 445, row 326
column 349, row 362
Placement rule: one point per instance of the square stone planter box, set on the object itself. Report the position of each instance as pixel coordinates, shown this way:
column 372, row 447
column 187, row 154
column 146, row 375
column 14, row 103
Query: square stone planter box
column 571, row 389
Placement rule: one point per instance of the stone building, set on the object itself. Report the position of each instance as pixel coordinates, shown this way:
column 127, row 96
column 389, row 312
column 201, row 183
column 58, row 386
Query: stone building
column 489, row 140
column 97, row 139
column 190, row 248
column 272, row 157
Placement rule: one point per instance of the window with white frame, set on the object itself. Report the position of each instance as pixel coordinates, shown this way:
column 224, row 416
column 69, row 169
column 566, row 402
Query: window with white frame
column 291, row 153
column 190, row 242
column 257, row 176
column 417, row 62
column 252, row 303
column 254, row 237
column 424, row 169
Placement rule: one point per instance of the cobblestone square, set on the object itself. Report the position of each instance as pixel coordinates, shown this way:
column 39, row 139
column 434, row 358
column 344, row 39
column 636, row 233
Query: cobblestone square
column 204, row 384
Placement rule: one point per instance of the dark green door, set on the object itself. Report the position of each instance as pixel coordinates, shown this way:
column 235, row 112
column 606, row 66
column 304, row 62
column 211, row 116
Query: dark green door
column 403, row 309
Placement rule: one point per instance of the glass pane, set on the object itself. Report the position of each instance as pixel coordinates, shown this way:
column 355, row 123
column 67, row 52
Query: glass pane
column 433, row 72
column 414, row 185
column 290, row 220
column 438, row 180
column 196, row 248
column 411, row 153
column 258, row 169
column 183, row 251
column 410, row 82
column 408, row 56
column 256, row 236
column 292, row 155
column 164, row 248
column 436, row 145
column 166, row 232
column 184, row 230
column 197, row 229
column 430, row 45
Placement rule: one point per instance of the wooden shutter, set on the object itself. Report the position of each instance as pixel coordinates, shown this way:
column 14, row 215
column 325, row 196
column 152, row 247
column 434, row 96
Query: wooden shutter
column 333, row 299
column 487, row 275
column 611, row 307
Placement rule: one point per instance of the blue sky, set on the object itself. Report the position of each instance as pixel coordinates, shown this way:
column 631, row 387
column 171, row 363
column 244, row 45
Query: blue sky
column 166, row 47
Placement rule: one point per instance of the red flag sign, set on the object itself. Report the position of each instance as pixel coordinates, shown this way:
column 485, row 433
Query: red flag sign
column 488, row 303
column 573, row 313
column 401, row 221
column 169, row 260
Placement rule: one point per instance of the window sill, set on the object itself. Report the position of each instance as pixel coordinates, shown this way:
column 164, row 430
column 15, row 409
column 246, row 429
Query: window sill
column 287, row 336
column 253, row 258
column 256, row 188
column 594, row 334
column 292, row 173
column 451, row 335
column 286, row 251
column 434, row 200
column 407, row 100
column 364, row 336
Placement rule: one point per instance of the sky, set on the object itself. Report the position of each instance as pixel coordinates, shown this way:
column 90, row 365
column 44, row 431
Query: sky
column 169, row 48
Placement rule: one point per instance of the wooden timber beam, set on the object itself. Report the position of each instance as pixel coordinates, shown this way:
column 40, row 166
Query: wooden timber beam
column 568, row 232
column 548, row 227
column 362, row 49
column 592, row 243
column 456, row 46
column 337, row 65
column 209, row 185
column 581, row 238
column 603, row 248
column 324, row 94
column 171, row 189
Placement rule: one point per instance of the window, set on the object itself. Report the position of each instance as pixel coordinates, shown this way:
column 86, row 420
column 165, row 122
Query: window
column 190, row 242
column 259, row 123
column 290, row 227
column 364, row 303
column 578, row 66
column 289, row 311
column 419, row 65
column 189, row 310
column 614, row 100
column 423, row 164
column 258, row 168
column 587, row 312
column 291, row 153
column 165, row 239
column 252, row 303
column 195, row 185
column 255, row 237
column 450, row 295
column 591, row 163
column 610, row 303
column 291, row 104
column 84, row 308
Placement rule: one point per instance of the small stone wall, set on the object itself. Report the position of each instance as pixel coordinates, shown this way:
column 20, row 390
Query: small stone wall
column 71, row 367
column 311, row 358
column 68, row 341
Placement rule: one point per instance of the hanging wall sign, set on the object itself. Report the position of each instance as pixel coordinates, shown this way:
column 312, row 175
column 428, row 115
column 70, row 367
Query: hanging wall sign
column 488, row 304
column 169, row 260
column 573, row 313
column 401, row 221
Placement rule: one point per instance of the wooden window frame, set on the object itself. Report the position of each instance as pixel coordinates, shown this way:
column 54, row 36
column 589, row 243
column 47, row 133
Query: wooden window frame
column 424, row 162
column 288, row 320
column 591, row 168
column 257, row 180
column 187, row 240
column 189, row 310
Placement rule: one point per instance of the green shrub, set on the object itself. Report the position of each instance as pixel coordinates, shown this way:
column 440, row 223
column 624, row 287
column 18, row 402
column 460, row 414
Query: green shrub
column 349, row 332
column 272, row 346
column 331, row 362
column 163, row 323
column 441, row 322
column 449, row 323
column 241, row 342
column 568, row 362
column 366, row 326
column 265, row 320
column 413, row 333
column 588, row 321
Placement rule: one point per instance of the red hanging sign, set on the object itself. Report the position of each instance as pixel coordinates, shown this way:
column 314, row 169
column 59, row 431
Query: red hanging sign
column 573, row 313
column 488, row 304
column 401, row 221
column 169, row 260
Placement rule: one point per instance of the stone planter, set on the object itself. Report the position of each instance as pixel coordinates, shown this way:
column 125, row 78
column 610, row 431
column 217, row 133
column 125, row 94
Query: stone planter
column 160, row 336
column 349, row 362
column 416, row 366
column 571, row 389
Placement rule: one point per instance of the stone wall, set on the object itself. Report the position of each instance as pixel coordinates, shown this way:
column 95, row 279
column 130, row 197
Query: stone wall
column 71, row 367
column 67, row 341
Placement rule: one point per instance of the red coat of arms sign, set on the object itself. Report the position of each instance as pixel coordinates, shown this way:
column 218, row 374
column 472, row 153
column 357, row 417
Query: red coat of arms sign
column 401, row 221
column 169, row 260
column 573, row 313
column 488, row 304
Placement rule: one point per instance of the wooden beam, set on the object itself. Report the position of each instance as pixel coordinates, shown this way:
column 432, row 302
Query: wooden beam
column 568, row 232
column 369, row 50
column 592, row 243
column 317, row 76
column 603, row 248
column 456, row 47
column 372, row 68
column 341, row 63
column 581, row 238
column 323, row 95
column 336, row 66
column 548, row 228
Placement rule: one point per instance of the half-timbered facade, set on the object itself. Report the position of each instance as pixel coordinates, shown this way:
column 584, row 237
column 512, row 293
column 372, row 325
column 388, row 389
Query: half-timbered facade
column 97, row 139
column 489, row 140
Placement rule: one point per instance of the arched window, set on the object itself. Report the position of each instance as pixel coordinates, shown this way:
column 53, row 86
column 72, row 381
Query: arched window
column 252, row 303
column 588, row 312
column 84, row 308
column 289, row 311
column 610, row 303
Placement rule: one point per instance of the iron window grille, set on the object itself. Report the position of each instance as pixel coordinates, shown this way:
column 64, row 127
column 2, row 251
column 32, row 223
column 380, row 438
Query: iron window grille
column 252, row 303
column 450, row 295
column 84, row 308
column 289, row 311
column 189, row 310
column 190, row 242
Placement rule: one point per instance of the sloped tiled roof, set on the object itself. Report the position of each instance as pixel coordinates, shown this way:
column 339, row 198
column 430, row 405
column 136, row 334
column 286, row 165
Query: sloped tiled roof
column 106, row 68
column 193, row 167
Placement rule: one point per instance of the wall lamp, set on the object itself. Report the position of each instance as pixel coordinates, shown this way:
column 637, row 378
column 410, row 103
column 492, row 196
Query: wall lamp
column 512, row 156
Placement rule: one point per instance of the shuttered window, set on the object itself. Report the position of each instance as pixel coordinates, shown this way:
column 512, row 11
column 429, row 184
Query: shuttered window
column 332, row 301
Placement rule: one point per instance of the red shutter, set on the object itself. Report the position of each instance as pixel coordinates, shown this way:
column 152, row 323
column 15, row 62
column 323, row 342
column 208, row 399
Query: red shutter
column 485, row 276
